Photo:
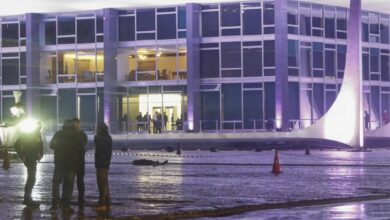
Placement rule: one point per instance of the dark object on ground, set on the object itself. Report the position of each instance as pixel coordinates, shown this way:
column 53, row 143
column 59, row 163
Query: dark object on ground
column 145, row 162
column 213, row 149
column 169, row 149
column 124, row 149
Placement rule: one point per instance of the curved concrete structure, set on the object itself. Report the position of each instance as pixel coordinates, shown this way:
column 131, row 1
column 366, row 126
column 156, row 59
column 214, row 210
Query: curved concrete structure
column 343, row 122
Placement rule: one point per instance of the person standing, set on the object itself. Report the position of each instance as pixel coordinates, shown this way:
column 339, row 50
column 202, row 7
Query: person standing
column 29, row 147
column 366, row 120
column 66, row 144
column 103, row 152
column 81, row 171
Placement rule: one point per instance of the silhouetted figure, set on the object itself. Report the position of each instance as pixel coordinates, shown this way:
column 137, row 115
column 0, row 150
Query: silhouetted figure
column 140, row 122
column 165, row 117
column 366, row 120
column 385, row 117
column 103, row 152
column 125, row 120
column 29, row 147
column 67, row 145
column 81, row 170
column 179, row 124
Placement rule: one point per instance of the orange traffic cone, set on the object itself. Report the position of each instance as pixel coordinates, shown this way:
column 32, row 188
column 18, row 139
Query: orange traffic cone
column 276, row 166
column 6, row 161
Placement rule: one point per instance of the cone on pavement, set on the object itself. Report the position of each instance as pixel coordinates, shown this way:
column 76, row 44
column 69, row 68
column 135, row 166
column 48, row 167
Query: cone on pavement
column 276, row 166
column 6, row 161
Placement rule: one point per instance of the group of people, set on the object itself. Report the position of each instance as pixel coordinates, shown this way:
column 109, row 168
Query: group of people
column 158, row 121
column 367, row 119
column 69, row 146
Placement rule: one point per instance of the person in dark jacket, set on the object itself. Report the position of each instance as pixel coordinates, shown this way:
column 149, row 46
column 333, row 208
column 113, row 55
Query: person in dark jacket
column 29, row 147
column 81, row 171
column 103, row 152
column 67, row 145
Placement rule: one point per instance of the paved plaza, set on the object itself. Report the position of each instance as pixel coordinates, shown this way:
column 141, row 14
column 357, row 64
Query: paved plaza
column 228, row 184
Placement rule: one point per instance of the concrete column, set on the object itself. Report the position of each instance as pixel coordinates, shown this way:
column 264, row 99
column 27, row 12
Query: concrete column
column 193, row 66
column 110, row 104
column 32, row 64
column 281, row 65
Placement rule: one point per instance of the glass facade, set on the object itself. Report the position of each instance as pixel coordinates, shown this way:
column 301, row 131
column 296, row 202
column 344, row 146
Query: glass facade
column 237, row 64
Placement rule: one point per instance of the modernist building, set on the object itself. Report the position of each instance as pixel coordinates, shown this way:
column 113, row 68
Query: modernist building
column 215, row 66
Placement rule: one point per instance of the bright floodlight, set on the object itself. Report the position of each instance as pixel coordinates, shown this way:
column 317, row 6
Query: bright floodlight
column 28, row 125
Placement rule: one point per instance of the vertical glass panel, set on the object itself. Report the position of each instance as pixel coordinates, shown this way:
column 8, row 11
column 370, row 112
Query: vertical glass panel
column 48, row 67
column 7, row 103
column 253, row 109
column 22, row 63
column 269, row 101
column 230, row 15
column 341, row 55
column 86, row 65
column 374, row 23
column 146, row 64
column 231, row 95
column 182, row 63
column 126, row 28
column 292, row 13
column 341, row 19
column 231, row 55
column 375, row 107
column 269, row 53
column 99, row 24
column 87, row 111
column 209, row 63
column 385, row 68
column 385, row 103
column 48, row 111
column 318, row 99
column 10, row 35
column 317, row 16
column 293, row 50
column 365, row 29
column 86, row 31
column 253, row 62
column 384, row 30
column 305, row 22
column 146, row 20
column 100, row 104
column 330, row 67
column 330, row 27
column 251, row 21
column 67, row 64
column 305, row 62
column 166, row 26
column 136, row 103
column 374, row 60
column 66, row 104
column 210, row 24
column 10, row 71
column 66, row 25
column 182, row 17
column 167, row 63
column 50, row 33
column 293, row 95
column 210, row 110
column 318, row 57
column 366, row 67
column 269, row 17
column 330, row 98
column 22, row 29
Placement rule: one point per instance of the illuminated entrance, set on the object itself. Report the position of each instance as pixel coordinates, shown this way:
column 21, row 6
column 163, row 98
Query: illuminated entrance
column 143, row 105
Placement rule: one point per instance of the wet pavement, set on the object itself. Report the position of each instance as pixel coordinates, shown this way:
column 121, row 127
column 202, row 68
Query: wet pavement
column 201, row 181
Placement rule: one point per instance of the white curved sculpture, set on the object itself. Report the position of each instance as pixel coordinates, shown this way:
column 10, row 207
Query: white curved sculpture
column 343, row 122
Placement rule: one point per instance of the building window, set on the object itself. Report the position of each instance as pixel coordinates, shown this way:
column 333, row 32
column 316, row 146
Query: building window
column 146, row 20
column 66, row 30
column 305, row 21
column 231, row 95
column 86, row 31
column 269, row 53
column 253, row 109
column 126, row 28
column 293, row 57
column 251, row 21
column 253, row 61
column 231, row 59
column 341, row 23
column 330, row 23
column 385, row 68
column 10, row 70
column 166, row 26
column 10, row 35
column 384, row 30
column 50, row 33
column 209, row 63
column 210, row 24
